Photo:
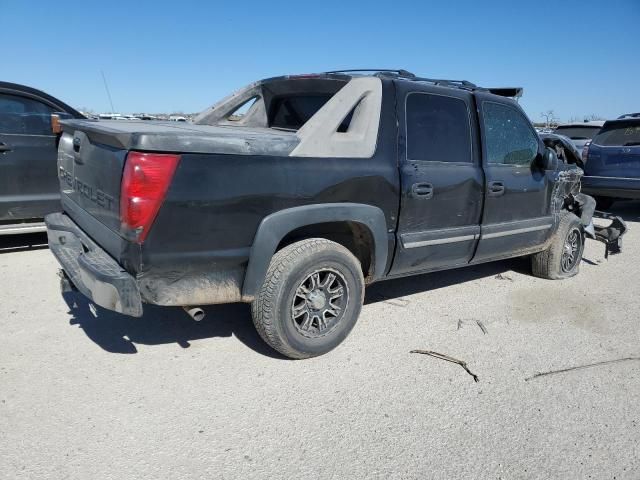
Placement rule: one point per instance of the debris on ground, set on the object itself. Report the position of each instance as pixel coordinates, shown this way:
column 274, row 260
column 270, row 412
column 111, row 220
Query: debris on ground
column 482, row 327
column 447, row 358
column 579, row 367
column 503, row 277
column 396, row 302
column 478, row 322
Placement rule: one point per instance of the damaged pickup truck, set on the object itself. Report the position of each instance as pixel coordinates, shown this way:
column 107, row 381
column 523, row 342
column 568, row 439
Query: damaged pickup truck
column 295, row 192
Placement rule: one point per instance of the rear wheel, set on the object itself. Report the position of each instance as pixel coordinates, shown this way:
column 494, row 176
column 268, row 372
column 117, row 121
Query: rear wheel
column 562, row 258
column 311, row 298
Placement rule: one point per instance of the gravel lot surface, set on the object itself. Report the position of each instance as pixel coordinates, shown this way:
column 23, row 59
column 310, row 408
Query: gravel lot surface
column 164, row 397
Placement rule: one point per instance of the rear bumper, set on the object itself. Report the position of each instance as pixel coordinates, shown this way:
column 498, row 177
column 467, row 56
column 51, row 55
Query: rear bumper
column 617, row 187
column 91, row 270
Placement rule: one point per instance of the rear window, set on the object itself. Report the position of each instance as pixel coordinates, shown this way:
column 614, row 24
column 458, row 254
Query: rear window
column 619, row 134
column 578, row 133
column 292, row 112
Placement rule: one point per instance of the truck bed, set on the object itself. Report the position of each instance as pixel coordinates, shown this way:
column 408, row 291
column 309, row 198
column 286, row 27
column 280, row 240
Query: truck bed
column 185, row 137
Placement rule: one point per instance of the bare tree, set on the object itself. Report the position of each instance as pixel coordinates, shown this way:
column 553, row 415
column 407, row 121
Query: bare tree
column 549, row 118
column 593, row 117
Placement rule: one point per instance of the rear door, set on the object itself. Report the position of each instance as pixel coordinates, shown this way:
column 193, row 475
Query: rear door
column 28, row 180
column 441, row 178
column 517, row 212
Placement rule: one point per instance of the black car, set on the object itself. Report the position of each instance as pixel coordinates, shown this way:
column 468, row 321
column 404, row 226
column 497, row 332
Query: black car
column 28, row 149
column 323, row 184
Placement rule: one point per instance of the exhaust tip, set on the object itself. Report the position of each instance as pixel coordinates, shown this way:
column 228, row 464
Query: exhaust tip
column 195, row 312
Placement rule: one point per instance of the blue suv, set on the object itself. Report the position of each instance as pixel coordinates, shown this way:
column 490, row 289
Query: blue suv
column 612, row 166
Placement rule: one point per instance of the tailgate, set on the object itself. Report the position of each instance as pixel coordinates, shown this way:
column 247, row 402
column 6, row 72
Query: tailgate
column 90, row 174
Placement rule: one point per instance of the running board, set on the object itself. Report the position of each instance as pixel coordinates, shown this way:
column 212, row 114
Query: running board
column 22, row 228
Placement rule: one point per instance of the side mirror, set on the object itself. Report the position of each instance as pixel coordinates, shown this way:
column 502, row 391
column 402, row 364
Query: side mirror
column 547, row 160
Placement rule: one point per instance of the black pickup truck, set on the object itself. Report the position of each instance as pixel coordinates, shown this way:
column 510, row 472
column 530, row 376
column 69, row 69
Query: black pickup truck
column 296, row 192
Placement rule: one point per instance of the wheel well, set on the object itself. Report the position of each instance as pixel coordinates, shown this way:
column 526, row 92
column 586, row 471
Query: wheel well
column 354, row 236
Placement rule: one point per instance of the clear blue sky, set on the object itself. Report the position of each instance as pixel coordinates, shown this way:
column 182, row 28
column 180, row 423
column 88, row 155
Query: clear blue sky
column 575, row 57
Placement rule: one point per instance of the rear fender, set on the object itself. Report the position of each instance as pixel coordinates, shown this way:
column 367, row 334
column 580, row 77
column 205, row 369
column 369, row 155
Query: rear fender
column 276, row 226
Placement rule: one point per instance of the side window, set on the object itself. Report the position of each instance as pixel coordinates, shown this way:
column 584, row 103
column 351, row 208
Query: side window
column 242, row 110
column 438, row 128
column 509, row 137
column 24, row 116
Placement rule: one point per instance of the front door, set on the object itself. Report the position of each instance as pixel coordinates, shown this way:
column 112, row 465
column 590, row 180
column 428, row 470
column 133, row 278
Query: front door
column 28, row 177
column 517, row 213
column 441, row 178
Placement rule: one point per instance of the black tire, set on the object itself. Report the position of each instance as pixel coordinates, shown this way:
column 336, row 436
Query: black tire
column 561, row 260
column 325, row 318
column 604, row 203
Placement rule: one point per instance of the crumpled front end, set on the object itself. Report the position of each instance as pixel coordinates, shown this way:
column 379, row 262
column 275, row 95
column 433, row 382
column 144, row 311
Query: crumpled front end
column 567, row 196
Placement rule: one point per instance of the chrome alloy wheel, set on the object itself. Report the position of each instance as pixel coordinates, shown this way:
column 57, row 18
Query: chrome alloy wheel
column 571, row 250
column 319, row 302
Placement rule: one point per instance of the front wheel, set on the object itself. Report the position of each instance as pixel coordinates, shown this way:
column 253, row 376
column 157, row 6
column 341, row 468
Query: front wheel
column 311, row 298
column 562, row 258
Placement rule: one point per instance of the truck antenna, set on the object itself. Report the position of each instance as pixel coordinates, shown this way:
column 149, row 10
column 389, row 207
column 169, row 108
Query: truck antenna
column 106, row 87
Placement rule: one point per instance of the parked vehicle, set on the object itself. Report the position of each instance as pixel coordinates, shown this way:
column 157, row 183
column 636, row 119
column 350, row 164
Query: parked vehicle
column 110, row 116
column 327, row 183
column 29, row 186
column 612, row 167
column 580, row 133
column 630, row 115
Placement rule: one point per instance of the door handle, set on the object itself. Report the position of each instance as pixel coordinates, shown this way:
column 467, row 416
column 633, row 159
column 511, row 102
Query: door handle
column 496, row 189
column 422, row 190
column 4, row 148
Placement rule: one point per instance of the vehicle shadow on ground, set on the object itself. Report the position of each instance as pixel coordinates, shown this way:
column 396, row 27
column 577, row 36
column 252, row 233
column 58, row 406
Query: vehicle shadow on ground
column 118, row 333
column 629, row 211
column 20, row 243
column 393, row 290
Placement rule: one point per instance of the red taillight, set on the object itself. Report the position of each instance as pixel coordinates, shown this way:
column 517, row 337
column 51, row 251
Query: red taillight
column 145, row 181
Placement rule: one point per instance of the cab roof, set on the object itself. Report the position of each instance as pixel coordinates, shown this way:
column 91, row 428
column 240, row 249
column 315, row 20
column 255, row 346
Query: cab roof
column 403, row 75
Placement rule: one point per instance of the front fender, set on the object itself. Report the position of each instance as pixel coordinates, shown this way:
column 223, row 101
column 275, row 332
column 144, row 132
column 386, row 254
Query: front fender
column 276, row 226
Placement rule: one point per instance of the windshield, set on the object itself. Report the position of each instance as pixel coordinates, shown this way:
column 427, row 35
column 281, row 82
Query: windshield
column 578, row 133
column 619, row 134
